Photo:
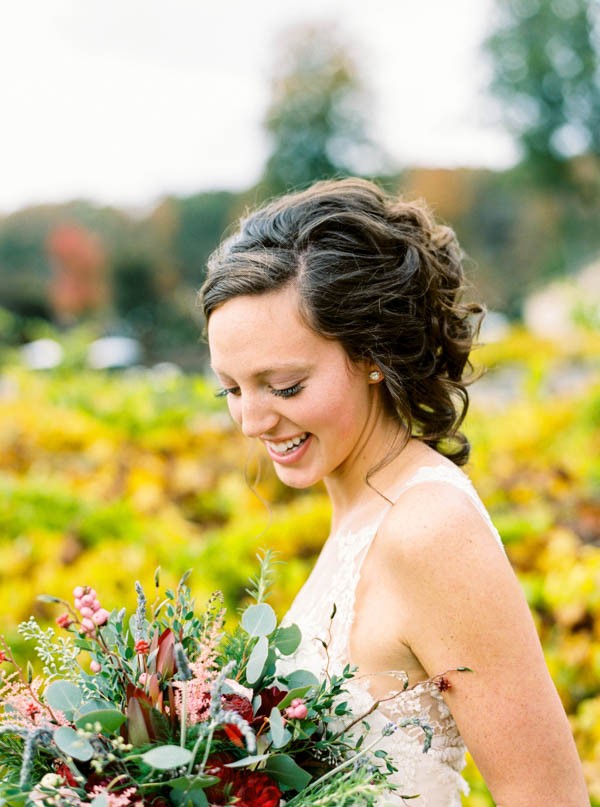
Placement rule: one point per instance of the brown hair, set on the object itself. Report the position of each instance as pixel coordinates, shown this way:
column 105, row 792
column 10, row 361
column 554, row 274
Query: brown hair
column 377, row 274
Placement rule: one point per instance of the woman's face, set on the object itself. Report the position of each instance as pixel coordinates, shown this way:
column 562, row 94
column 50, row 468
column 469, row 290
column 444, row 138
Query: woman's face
column 290, row 387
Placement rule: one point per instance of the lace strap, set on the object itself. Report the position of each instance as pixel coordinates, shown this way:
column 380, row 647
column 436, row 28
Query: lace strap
column 451, row 476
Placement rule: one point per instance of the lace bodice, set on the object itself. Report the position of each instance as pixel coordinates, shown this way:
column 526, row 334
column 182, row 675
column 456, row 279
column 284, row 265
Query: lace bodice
column 333, row 582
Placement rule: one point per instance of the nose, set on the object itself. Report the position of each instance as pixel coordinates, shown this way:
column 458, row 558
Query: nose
column 256, row 415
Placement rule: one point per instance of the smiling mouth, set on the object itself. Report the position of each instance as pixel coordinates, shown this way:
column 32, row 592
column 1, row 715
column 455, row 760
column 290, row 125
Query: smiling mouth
column 288, row 446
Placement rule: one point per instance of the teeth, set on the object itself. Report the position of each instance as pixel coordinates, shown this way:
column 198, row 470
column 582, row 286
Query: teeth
column 281, row 448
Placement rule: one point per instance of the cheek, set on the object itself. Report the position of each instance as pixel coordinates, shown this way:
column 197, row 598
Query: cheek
column 342, row 414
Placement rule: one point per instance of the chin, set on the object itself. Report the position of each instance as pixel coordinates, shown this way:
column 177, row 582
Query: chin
column 295, row 479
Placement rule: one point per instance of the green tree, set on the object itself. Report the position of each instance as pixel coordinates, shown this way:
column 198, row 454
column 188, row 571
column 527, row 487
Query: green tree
column 546, row 72
column 316, row 119
column 201, row 221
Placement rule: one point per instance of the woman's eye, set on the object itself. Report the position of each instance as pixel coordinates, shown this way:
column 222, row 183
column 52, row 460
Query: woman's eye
column 288, row 392
column 225, row 391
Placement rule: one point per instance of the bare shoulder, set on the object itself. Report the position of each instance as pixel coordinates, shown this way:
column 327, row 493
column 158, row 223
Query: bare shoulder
column 437, row 524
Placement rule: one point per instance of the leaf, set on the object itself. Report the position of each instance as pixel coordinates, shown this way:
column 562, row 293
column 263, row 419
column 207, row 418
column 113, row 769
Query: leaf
column 298, row 692
column 287, row 640
column 257, row 661
column 109, row 719
column 144, row 724
column 259, row 620
column 286, row 772
column 64, row 696
column 70, row 743
column 301, row 678
column 100, row 801
column 243, row 763
column 165, row 658
column 193, row 780
column 194, row 797
column 93, row 705
column 279, row 734
column 166, row 757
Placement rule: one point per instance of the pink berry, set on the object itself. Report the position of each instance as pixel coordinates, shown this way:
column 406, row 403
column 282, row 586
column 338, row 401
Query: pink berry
column 297, row 709
column 95, row 605
column 95, row 666
column 87, row 599
column 87, row 625
column 85, row 611
column 100, row 616
column 78, row 592
column 78, row 603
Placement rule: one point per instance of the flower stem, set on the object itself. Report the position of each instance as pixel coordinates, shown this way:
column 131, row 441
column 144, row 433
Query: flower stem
column 183, row 714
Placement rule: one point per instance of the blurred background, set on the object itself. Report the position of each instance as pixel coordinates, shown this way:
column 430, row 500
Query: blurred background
column 135, row 134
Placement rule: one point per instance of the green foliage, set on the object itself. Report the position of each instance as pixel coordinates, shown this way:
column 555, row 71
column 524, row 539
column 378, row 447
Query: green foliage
column 99, row 475
column 317, row 117
column 545, row 58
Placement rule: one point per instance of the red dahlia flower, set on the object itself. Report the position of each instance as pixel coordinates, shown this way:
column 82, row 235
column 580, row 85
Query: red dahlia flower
column 238, row 703
column 257, row 790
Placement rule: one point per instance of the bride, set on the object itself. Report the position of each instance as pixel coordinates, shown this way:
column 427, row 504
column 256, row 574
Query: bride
column 337, row 333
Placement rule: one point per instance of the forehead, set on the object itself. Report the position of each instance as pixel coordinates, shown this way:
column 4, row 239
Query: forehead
column 254, row 334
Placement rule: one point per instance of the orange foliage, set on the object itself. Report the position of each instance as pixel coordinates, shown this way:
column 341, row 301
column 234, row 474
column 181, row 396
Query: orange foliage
column 78, row 282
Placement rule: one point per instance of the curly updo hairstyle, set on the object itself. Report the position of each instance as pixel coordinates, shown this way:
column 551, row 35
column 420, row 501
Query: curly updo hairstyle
column 378, row 275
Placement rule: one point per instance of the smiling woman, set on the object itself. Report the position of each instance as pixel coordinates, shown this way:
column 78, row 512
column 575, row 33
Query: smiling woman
column 336, row 328
column 313, row 411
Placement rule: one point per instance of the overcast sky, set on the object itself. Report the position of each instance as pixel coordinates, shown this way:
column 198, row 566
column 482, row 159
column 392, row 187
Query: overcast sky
column 124, row 101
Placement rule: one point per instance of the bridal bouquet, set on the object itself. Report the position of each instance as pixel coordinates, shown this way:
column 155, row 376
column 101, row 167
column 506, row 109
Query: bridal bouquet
column 165, row 708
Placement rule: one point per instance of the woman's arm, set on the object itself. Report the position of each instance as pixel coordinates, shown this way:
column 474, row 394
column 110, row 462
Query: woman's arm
column 466, row 608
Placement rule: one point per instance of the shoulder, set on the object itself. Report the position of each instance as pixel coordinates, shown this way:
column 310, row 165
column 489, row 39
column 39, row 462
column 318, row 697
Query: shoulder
column 442, row 564
column 436, row 521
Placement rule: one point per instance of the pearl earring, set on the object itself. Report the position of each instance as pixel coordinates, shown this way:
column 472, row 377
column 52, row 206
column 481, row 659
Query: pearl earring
column 375, row 375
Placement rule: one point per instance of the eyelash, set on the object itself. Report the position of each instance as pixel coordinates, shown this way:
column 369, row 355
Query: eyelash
column 288, row 392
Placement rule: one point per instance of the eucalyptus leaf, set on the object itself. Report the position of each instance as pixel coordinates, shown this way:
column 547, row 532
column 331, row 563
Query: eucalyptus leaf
column 109, row 719
column 64, row 696
column 301, row 678
column 287, row 640
column 72, row 744
column 198, row 780
column 286, row 772
column 100, row 801
column 298, row 692
column 166, row 757
column 243, row 763
column 194, row 797
column 257, row 661
column 259, row 620
column 93, row 705
column 279, row 734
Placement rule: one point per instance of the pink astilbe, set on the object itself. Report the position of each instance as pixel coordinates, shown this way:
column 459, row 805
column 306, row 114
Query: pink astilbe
column 25, row 705
column 204, row 670
column 122, row 799
column 197, row 689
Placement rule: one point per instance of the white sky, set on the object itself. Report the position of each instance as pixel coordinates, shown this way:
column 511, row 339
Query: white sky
column 123, row 101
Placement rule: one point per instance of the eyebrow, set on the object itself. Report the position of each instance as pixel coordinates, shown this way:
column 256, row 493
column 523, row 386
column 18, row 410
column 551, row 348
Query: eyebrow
column 274, row 368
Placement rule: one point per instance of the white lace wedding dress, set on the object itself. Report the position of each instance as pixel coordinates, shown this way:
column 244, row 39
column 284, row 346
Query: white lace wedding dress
column 435, row 775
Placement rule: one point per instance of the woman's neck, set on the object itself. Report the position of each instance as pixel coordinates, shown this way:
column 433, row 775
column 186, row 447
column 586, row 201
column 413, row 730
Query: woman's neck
column 385, row 457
